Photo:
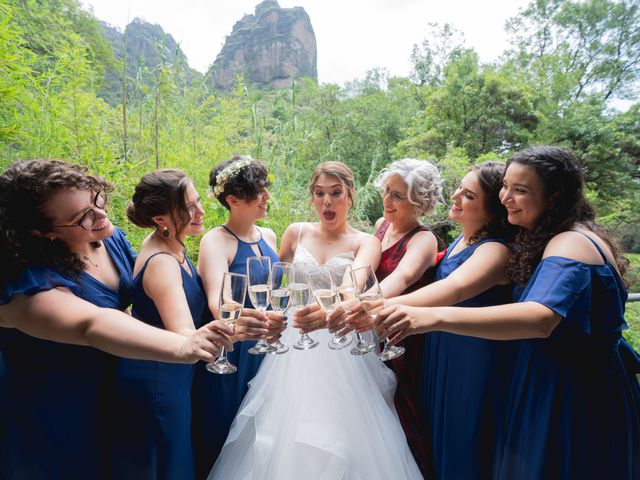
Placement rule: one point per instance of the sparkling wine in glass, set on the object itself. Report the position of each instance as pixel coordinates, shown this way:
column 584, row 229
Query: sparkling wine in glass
column 259, row 273
column 370, row 294
column 300, row 294
column 232, row 295
column 345, row 291
column 280, row 294
column 359, row 278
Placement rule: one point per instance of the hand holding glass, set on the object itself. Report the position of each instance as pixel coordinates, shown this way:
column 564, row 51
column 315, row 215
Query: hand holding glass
column 232, row 295
column 280, row 293
column 300, row 293
column 345, row 292
column 370, row 295
column 259, row 273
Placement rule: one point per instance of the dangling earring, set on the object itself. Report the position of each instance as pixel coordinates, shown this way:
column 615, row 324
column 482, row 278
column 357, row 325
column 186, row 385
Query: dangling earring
column 165, row 232
column 51, row 237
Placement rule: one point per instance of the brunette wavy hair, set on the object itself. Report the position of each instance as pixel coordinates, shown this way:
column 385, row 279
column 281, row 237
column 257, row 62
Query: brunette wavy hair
column 563, row 183
column 25, row 187
column 490, row 175
column 162, row 192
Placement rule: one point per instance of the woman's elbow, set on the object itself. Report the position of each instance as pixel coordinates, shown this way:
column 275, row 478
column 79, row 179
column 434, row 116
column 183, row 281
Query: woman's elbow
column 546, row 322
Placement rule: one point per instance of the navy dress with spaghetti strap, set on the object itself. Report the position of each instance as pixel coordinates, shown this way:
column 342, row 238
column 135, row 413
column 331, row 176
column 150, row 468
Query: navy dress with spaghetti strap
column 216, row 398
column 574, row 405
column 56, row 398
column 464, row 385
column 152, row 406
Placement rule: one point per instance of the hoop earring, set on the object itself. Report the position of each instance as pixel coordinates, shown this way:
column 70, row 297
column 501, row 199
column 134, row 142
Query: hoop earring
column 165, row 232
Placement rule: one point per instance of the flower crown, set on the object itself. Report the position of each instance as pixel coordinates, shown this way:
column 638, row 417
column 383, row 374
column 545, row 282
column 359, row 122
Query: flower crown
column 229, row 172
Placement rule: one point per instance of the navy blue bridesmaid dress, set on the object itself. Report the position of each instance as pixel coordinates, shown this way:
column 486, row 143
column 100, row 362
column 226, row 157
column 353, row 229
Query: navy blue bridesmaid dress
column 56, row 399
column 575, row 401
column 152, row 403
column 216, row 398
column 464, row 386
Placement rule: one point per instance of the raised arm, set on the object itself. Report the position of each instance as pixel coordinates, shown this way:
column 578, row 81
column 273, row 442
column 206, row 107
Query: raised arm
column 504, row 322
column 289, row 242
column 528, row 319
column 162, row 282
column 420, row 255
column 367, row 251
column 483, row 270
column 60, row 316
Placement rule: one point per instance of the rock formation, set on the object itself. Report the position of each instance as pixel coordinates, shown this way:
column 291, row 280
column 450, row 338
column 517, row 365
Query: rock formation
column 268, row 48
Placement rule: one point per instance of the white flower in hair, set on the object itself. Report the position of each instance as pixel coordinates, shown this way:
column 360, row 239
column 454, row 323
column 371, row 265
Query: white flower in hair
column 229, row 172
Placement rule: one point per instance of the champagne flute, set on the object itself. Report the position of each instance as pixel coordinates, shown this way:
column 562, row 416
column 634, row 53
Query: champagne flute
column 280, row 294
column 323, row 288
column 359, row 280
column 343, row 285
column 370, row 294
column 232, row 295
column 259, row 273
column 300, row 293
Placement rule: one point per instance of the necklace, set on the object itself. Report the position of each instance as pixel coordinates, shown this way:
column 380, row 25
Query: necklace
column 391, row 239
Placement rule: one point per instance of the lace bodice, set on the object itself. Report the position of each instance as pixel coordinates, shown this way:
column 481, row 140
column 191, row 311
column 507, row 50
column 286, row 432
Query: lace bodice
column 302, row 255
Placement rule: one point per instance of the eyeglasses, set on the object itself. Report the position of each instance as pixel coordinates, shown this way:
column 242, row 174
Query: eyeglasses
column 88, row 219
column 396, row 198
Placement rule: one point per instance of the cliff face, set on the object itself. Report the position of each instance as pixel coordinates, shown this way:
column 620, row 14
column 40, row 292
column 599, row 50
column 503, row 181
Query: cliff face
column 269, row 48
column 145, row 43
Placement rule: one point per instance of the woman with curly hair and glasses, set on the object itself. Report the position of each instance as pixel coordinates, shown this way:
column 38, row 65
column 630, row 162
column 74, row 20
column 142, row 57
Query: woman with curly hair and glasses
column 66, row 277
column 573, row 402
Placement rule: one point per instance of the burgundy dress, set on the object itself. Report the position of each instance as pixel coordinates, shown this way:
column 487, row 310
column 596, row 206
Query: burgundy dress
column 408, row 366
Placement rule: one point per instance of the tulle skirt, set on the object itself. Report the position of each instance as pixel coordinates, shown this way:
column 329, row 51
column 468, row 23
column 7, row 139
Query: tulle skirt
column 321, row 414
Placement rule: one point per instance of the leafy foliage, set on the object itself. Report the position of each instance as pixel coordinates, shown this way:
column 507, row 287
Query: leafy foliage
column 568, row 61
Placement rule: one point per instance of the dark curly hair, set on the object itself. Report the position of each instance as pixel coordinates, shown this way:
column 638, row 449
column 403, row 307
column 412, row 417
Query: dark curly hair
column 247, row 184
column 490, row 175
column 160, row 193
column 561, row 176
column 25, row 187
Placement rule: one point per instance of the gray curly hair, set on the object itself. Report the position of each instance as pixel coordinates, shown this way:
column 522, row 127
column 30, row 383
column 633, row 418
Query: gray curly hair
column 424, row 183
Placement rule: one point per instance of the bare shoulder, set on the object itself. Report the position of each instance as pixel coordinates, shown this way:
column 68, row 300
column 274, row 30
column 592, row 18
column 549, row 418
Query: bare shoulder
column 366, row 240
column 218, row 237
column 379, row 222
column 267, row 232
column 577, row 246
column 269, row 236
column 292, row 232
column 215, row 234
column 424, row 237
column 364, row 237
column 496, row 248
column 162, row 264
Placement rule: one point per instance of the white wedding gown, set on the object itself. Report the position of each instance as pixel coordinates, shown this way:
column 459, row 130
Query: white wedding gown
column 317, row 414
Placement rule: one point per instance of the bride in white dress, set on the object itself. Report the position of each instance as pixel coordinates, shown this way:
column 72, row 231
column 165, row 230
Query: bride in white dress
column 320, row 413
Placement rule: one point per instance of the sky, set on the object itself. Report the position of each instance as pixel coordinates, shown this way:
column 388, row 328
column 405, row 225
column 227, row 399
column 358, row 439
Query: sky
column 352, row 36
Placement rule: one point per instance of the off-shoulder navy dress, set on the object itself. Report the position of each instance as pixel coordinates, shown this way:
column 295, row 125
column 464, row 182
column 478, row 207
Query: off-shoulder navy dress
column 575, row 401
column 216, row 398
column 153, row 399
column 56, row 400
column 464, row 386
